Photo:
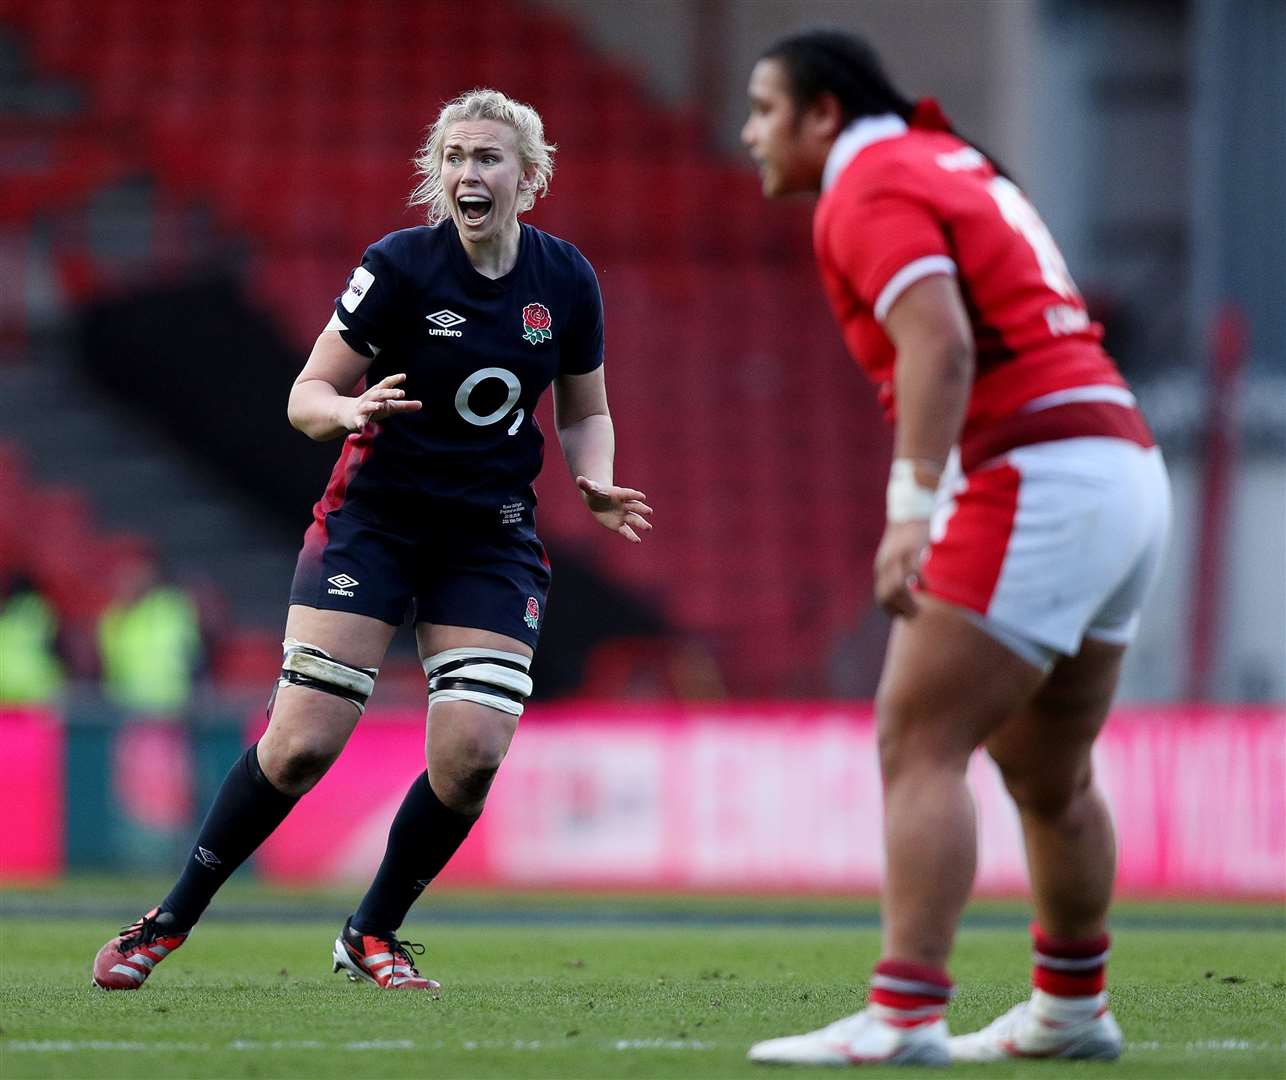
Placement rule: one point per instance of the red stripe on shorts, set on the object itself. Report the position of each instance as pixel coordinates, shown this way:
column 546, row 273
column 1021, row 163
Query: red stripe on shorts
column 964, row 566
column 352, row 456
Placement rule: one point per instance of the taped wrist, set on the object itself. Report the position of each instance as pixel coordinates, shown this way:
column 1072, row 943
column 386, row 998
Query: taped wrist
column 905, row 498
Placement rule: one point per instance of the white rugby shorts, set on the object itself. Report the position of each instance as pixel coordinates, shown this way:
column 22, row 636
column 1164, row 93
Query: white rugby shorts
column 1052, row 543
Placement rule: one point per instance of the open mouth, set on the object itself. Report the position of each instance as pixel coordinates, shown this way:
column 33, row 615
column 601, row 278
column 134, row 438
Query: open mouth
column 474, row 208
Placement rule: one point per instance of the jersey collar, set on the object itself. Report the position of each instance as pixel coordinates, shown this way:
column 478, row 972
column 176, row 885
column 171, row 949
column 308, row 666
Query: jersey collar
column 855, row 138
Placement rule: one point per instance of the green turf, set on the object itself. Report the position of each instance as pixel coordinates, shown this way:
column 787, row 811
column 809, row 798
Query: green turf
column 258, row 999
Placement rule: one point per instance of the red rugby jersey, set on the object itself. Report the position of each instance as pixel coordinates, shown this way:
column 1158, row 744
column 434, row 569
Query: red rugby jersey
column 900, row 204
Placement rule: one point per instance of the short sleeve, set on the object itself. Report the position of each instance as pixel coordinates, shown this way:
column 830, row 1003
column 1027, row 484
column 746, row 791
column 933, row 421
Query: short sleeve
column 883, row 244
column 367, row 310
column 582, row 347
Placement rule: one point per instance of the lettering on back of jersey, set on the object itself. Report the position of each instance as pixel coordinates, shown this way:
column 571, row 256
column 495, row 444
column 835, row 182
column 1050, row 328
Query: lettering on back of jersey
column 961, row 160
column 1065, row 319
column 359, row 284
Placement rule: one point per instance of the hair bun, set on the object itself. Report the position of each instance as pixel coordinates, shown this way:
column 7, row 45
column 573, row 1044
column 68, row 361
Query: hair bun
column 928, row 116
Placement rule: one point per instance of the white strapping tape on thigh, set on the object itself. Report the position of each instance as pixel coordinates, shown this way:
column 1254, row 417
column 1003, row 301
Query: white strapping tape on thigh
column 304, row 659
column 471, row 665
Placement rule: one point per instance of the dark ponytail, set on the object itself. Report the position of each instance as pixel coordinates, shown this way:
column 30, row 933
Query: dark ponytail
column 837, row 62
column 825, row 61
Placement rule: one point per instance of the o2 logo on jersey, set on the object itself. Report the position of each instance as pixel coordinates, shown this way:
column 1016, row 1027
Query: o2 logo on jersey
column 513, row 388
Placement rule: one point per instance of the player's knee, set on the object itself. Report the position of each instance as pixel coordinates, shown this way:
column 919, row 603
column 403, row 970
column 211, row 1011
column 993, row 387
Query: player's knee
column 913, row 736
column 295, row 764
column 1042, row 793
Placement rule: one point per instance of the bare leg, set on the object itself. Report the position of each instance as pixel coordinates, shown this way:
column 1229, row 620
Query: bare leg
column 1044, row 756
column 947, row 686
column 308, row 728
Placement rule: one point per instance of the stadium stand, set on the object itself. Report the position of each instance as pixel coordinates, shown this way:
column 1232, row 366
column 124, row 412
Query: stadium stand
column 735, row 407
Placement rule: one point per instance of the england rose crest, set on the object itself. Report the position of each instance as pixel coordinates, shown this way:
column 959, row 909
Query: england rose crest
column 535, row 323
column 532, row 618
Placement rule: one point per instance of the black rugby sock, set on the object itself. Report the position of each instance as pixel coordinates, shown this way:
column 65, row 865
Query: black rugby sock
column 423, row 837
column 245, row 811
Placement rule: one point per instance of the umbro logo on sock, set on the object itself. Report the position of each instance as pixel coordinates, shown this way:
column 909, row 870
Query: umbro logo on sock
column 206, row 857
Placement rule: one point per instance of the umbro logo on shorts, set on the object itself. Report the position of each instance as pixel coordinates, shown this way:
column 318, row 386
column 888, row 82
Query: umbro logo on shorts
column 444, row 321
column 343, row 585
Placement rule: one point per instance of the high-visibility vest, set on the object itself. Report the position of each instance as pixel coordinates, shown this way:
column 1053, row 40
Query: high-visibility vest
column 30, row 672
column 149, row 650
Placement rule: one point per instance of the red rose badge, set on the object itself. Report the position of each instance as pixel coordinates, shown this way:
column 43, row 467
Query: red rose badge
column 536, row 323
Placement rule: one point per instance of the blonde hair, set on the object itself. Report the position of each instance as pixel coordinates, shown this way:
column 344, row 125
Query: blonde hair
column 483, row 104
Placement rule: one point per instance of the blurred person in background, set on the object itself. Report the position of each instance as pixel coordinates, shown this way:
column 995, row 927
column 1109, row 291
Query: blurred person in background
column 1014, row 565
column 149, row 639
column 457, row 327
column 31, row 663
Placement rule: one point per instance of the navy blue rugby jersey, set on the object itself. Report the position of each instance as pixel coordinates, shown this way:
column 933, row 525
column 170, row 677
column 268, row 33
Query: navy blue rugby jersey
column 477, row 352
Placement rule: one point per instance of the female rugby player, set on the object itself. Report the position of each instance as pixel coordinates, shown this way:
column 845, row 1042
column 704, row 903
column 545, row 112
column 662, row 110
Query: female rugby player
column 1015, row 564
column 457, row 328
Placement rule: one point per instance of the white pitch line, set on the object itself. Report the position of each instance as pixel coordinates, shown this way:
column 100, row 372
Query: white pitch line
column 1207, row 1045
column 70, row 1046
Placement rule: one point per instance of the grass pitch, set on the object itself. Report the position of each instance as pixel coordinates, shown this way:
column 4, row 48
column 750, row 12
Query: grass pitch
column 639, row 989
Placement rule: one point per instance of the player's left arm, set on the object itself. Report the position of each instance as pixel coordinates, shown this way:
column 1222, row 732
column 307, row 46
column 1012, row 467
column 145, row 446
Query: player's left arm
column 933, row 375
column 589, row 446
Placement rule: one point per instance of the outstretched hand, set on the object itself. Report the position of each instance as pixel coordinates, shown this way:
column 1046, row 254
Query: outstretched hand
column 617, row 508
column 380, row 401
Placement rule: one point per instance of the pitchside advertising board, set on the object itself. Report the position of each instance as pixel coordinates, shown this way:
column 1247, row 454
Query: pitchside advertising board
column 740, row 799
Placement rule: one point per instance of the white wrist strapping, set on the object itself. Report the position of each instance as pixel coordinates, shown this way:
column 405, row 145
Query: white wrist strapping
column 905, row 499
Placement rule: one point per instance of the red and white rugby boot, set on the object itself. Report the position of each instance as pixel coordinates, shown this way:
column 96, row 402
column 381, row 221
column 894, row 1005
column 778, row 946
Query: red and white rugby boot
column 385, row 961
column 126, row 961
column 1045, row 1027
column 870, row 1037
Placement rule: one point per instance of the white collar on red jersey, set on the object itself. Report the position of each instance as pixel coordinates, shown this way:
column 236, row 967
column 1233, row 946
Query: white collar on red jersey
column 857, row 137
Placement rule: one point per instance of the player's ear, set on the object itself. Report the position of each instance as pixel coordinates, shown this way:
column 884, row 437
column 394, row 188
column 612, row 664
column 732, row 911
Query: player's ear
column 826, row 116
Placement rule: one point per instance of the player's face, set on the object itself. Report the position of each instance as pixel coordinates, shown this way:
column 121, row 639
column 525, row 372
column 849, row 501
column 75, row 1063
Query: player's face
column 783, row 141
column 481, row 171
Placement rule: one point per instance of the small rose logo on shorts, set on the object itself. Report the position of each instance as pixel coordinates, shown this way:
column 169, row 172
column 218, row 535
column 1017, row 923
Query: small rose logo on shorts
column 535, row 323
column 532, row 618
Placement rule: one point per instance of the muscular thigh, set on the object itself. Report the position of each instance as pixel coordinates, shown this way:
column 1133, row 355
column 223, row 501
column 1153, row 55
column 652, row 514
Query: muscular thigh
column 1044, row 749
column 322, row 720
column 466, row 731
column 947, row 684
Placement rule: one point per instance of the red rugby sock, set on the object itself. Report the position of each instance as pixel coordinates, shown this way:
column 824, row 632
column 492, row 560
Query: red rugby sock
column 1065, row 967
column 908, row 995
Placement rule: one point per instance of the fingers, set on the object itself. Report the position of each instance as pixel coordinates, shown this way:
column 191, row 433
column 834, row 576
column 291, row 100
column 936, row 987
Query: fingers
column 636, row 507
column 893, row 586
column 638, row 522
column 630, row 534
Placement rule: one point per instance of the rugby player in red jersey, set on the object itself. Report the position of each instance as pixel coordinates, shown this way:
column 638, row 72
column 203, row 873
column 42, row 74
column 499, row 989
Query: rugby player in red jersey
column 1027, row 510
column 457, row 328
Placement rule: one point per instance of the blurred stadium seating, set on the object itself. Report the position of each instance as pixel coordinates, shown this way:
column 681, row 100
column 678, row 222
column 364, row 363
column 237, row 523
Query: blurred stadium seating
column 734, row 406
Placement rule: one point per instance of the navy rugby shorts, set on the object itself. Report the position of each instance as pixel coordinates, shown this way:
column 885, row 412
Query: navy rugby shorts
column 458, row 571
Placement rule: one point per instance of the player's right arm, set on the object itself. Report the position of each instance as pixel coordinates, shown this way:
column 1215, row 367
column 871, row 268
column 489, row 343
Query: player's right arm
column 322, row 404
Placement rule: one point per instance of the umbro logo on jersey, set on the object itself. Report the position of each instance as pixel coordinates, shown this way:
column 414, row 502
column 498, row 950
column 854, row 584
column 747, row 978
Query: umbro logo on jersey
column 206, row 857
column 343, row 585
column 444, row 320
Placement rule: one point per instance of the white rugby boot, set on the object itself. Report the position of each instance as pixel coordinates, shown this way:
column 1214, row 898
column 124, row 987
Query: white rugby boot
column 865, row 1038
column 1045, row 1027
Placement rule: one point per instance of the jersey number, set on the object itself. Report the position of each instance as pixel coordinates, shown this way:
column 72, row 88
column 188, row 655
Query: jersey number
column 470, row 384
column 1023, row 219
